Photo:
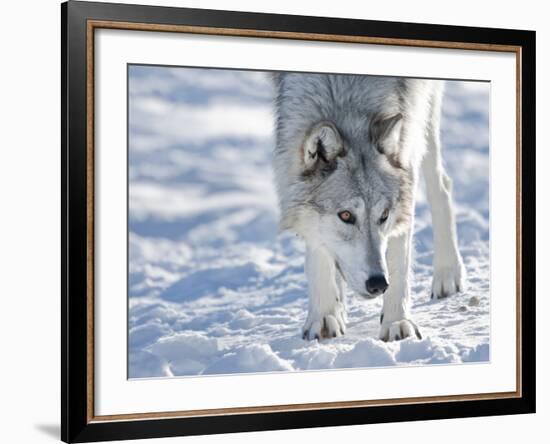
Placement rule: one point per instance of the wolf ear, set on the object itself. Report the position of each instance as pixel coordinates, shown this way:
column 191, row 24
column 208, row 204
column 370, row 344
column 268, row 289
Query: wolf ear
column 385, row 133
column 322, row 145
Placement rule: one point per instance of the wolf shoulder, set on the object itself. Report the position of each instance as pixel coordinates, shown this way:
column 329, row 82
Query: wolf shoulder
column 312, row 95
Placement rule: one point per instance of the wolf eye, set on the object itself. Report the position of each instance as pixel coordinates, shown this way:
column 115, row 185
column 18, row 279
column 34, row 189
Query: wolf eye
column 384, row 216
column 347, row 217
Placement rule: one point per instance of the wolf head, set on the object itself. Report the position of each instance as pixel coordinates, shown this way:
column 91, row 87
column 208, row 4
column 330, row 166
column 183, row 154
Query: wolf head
column 343, row 180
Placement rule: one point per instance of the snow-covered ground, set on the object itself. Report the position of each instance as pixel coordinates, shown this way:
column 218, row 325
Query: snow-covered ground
column 215, row 289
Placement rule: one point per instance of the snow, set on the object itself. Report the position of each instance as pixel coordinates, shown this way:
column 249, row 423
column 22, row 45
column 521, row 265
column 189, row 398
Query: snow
column 214, row 288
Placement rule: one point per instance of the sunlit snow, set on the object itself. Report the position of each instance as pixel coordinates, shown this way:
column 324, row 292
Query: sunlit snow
column 214, row 288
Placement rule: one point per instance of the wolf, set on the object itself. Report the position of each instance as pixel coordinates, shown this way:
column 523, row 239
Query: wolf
column 348, row 154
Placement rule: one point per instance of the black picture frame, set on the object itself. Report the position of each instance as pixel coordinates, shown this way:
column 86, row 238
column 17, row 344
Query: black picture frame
column 77, row 425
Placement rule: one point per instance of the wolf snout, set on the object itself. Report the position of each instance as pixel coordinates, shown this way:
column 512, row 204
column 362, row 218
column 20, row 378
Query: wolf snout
column 377, row 285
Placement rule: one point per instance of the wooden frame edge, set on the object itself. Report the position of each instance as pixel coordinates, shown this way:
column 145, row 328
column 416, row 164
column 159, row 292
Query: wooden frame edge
column 283, row 408
column 519, row 224
column 91, row 25
column 236, row 32
column 90, row 208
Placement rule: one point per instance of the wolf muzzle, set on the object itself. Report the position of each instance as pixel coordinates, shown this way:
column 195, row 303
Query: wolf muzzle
column 377, row 285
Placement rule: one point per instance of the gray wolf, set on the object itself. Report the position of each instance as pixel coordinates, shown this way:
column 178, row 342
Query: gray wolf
column 349, row 152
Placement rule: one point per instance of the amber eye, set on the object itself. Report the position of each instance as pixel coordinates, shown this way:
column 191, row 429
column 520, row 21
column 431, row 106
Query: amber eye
column 346, row 216
column 384, row 216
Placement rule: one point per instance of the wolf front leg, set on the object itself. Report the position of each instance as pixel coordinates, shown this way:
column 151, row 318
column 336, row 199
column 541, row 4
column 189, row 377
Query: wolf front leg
column 395, row 321
column 326, row 314
column 449, row 272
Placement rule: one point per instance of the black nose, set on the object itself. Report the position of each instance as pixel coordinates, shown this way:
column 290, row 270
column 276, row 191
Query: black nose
column 377, row 285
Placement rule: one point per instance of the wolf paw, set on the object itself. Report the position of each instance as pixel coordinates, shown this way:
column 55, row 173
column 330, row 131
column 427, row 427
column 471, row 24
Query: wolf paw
column 448, row 280
column 397, row 330
column 328, row 326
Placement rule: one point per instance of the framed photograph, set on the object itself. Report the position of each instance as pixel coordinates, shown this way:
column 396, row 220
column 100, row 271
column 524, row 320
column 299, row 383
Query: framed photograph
column 276, row 221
